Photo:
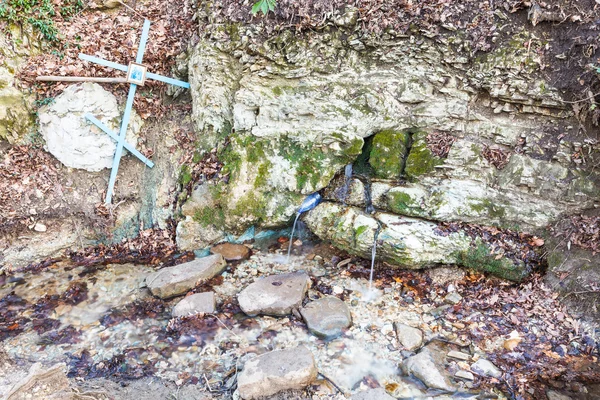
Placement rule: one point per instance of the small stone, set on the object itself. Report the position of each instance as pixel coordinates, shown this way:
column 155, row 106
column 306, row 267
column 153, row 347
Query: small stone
column 274, row 295
column 38, row 227
column 337, row 290
column 195, row 304
column 486, row 368
column 372, row 394
column 326, row 317
column 424, row 367
column 554, row 395
column 410, row 338
column 173, row 281
column 276, row 371
column 453, row 298
column 464, row 375
column 439, row 311
column 232, row 251
column 459, row 355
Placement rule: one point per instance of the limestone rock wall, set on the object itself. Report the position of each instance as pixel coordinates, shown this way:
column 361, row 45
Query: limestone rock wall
column 303, row 107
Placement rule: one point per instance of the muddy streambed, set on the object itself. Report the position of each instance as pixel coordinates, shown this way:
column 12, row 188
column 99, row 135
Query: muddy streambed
column 105, row 325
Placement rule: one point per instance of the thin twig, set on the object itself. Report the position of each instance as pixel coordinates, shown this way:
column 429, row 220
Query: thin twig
column 132, row 9
column 592, row 97
column 226, row 327
column 332, row 382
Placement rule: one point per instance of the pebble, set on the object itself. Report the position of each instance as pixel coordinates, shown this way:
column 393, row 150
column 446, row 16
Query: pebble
column 39, row 227
column 453, row 298
column 486, row 368
column 464, row 375
column 459, row 355
column 410, row 338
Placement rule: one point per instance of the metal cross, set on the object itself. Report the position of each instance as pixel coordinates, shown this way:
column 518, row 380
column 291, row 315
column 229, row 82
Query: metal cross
column 136, row 75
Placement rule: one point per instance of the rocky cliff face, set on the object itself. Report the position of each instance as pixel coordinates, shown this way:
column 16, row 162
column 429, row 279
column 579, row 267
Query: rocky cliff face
column 435, row 134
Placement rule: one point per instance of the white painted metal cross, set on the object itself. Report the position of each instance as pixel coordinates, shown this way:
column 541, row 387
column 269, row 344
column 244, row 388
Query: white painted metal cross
column 136, row 75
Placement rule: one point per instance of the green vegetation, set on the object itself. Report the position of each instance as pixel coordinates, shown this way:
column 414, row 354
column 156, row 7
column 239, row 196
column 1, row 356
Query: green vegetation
column 402, row 203
column 480, row 258
column 388, row 153
column 207, row 216
column 38, row 14
column 489, row 208
column 264, row 6
column 185, row 175
column 420, row 160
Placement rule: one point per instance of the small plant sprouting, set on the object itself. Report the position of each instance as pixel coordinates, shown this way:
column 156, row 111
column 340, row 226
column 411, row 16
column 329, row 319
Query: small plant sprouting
column 264, row 5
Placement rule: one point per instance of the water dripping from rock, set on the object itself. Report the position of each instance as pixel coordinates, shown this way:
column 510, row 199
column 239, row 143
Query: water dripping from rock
column 308, row 204
column 347, row 181
column 369, row 209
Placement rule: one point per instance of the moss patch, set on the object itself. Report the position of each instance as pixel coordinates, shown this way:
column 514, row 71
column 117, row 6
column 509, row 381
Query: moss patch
column 420, row 160
column 185, row 175
column 207, row 216
column 480, row 258
column 388, row 154
column 403, row 203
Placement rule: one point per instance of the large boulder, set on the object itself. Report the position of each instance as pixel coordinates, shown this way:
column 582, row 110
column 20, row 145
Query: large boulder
column 72, row 139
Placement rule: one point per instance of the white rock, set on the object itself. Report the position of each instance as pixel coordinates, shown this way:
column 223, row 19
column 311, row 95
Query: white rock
column 458, row 355
column 39, row 227
column 486, row 368
column 274, row 295
column 195, row 304
column 464, row 375
column 72, row 139
column 173, row 281
column 276, row 371
column 410, row 338
column 424, row 367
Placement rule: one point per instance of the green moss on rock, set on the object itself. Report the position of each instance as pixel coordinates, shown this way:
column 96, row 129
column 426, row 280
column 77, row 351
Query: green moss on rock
column 420, row 160
column 388, row 154
column 480, row 258
column 404, row 204
column 207, row 216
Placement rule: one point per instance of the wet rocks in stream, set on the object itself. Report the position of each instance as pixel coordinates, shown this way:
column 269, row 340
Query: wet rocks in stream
column 427, row 367
column 199, row 303
column 174, row 281
column 277, row 371
column 232, row 251
column 274, row 295
column 326, row 317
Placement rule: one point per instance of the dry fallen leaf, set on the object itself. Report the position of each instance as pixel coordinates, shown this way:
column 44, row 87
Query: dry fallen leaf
column 513, row 341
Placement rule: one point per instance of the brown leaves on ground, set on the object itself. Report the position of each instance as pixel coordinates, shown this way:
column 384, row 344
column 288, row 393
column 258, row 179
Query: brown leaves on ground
column 497, row 157
column 152, row 246
column 440, row 143
column 115, row 37
column 25, row 171
column 502, row 242
column 585, row 232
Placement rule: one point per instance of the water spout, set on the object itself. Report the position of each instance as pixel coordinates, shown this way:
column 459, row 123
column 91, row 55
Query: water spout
column 308, row 204
column 369, row 209
column 373, row 253
column 347, row 181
